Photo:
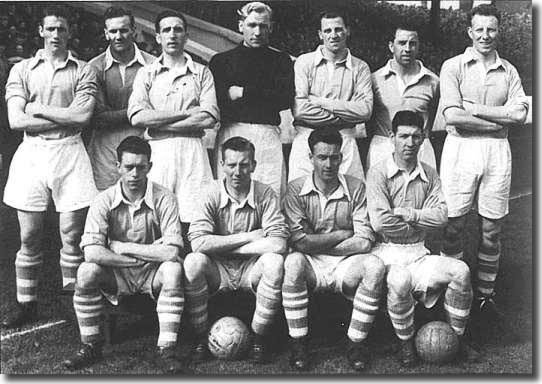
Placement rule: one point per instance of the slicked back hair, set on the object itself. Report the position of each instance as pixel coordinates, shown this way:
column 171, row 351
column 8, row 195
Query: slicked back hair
column 410, row 118
column 332, row 14
column 239, row 144
column 169, row 13
column 324, row 136
column 56, row 11
column 116, row 11
column 134, row 144
column 255, row 6
column 485, row 10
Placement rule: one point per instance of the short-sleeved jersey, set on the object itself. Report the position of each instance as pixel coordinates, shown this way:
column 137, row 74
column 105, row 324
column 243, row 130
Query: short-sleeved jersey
column 307, row 211
column 112, row 217
column 72, row 83
column 219, row 214
column 159, row 87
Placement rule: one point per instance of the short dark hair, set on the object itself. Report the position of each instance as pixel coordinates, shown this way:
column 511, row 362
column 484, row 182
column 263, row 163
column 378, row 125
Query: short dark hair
column 332, row 14
column 116, row 11
column 133, row 144
column 56, row 11
column 238, row 144
column 485, row 10
column 169, row 13
column 404, row 26
column 328, row 136
column 409, row 118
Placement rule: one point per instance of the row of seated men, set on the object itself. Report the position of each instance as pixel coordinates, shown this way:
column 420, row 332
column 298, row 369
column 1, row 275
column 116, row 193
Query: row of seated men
column 171, row 100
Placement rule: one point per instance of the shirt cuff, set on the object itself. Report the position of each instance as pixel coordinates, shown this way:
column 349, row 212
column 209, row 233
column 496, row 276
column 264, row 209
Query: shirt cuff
column 92, row 239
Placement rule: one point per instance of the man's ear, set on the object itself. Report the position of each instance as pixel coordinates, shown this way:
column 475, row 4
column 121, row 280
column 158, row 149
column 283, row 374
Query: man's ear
column 240, row 25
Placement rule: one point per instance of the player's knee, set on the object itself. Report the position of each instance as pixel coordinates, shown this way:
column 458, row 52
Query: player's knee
column 30, row 240
column 453, row 230
column 195, row 263
column 273, row 266
column 374, row 270
column 294, row 265
column 460, row 272
column 71, row 237
column 491, row 231
column 398, row 281
column 171, row 272
column 88, row 274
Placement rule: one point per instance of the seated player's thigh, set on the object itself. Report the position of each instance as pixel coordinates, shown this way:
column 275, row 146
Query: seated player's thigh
column 197, row 265
column 353, row 269
column 438, row 271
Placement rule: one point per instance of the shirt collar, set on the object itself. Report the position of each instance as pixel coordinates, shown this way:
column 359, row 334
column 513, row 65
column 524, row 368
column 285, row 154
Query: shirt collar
column 470, row 55
column 393, row 169
column 320, row 56
column 138, row 57
column 189, row 64
column 119, row 196
column 308, row 187
column 225, row 198
column 388, row 70
column 40, row 56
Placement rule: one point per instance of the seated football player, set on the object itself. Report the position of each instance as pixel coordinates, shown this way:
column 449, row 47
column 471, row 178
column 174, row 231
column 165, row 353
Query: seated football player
column 132, row 244
column 238, row 240
column 404, row 199
column 331, row 239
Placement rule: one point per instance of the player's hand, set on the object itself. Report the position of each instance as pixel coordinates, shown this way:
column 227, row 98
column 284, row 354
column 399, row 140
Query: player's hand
column 256, row 234
column 403, row 213
column 235, row 92
column 345, row 233
column 116, row 246
column 34, row 109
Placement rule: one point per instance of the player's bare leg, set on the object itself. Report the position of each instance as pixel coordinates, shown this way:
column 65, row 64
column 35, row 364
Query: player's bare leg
column 27, row 268
column 71, row 226
column 455, row 276
column 401, row 311
column 299, row 280
column 363, row 282
column 267, row 278
column 201, row 278
column 452, row 245
column 92, row 280
column 167, row 287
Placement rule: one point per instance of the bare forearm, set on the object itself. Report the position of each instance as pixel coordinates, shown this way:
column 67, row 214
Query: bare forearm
column 351, row 246
column 30, row 124
column 103, row 256
column 465, row 120
column 149, row 118
column 261, row 246
column 192, row 125
column 506, row 114
column 212, row 244
column 322, row 242
column 155, row 253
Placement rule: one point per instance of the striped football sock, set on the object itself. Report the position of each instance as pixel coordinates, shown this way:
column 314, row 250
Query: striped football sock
column 268, row 301
column 401, row 311
column 457, row 304
column 197, row 296
column 486, row 273
column 169, row 309
column 365, row 307
column 295, row 300
column 27, row 268
column 88, row 305
column 69, row 265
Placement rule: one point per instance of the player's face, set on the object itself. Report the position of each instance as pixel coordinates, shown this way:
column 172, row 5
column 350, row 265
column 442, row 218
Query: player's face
column 172, row 36
column 55, row 33
column 407, row 141
column 120, row 33
column 133, row 170
column 484, row 32
column 326, row 159
column 333, row 34
column 238, row 167
column 256, row 29
column 404, row 47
